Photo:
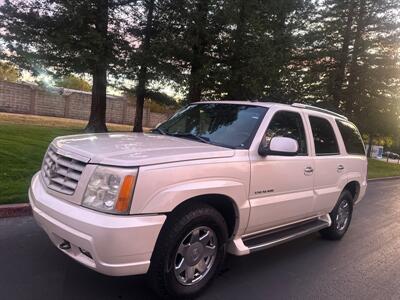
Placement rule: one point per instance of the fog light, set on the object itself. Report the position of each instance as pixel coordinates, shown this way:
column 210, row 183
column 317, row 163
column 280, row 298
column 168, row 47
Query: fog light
column 87, row 253
column 65, row 245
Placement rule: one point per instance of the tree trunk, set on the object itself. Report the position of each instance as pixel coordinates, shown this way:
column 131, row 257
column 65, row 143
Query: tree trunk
column 97, row 119
column 142, row 76
column 199, row 45
column 140, row 96
column 357, row 51
column 281, row 56
column 340, row 71
column 235, row 88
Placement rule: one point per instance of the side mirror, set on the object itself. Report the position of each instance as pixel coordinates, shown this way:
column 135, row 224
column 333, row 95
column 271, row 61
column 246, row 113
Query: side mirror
column 279, row 146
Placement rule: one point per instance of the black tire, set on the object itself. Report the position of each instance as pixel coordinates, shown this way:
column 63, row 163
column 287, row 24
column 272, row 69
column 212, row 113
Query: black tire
column 180, row 223
column 337, row 230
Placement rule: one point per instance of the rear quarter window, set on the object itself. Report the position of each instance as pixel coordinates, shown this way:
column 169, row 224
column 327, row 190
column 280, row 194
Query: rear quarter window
column 351, row 138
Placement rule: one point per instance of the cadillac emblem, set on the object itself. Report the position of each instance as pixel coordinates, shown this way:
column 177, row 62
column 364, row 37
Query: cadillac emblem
column 53, row 170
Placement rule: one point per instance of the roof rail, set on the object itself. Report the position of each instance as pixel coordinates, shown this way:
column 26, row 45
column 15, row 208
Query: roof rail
column 310, row 107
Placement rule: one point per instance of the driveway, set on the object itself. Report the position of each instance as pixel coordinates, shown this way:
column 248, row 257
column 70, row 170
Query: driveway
column 364, row 265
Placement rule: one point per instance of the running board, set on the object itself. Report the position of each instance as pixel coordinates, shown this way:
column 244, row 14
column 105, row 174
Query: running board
column 272, row 238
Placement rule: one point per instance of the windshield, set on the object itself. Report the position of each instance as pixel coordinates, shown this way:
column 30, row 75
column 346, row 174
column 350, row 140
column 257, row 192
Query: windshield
column 227, row 125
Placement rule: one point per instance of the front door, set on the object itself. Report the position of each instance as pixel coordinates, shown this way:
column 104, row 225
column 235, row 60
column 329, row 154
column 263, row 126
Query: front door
column 281, row 189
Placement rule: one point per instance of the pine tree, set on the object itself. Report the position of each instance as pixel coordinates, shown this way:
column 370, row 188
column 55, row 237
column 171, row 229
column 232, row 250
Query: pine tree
column 149, row 58
column 66, row 37
column 352, row 62
column 186, row 42
column 372, row 93
column 142, row 75
column 256, row 48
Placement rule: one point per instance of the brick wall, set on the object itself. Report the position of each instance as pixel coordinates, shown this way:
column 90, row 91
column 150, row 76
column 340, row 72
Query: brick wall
column 31, row 99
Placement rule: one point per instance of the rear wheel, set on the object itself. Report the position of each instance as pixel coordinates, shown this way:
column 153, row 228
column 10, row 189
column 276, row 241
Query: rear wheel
column 340, row 216
column 189, row 252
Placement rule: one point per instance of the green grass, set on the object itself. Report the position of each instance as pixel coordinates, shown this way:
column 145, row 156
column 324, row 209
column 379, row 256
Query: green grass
column 378, row 169
column 21, row 151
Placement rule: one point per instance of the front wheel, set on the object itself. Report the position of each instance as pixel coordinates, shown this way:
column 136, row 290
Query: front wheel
column 189, row 252
column 340, row 216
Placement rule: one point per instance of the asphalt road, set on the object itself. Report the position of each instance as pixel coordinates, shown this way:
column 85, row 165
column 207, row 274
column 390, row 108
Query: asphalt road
column 364, row 265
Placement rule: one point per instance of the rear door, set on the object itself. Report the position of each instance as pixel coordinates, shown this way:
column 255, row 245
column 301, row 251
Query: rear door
column 281, row 189
column 356, row 162
column 329, row 161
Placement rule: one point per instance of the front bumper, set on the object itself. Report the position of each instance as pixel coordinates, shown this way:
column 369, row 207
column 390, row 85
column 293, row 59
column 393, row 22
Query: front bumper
column 118, row 245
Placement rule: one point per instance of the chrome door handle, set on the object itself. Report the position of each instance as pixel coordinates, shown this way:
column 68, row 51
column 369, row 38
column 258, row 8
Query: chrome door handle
column 340, row 168
column 308, row 171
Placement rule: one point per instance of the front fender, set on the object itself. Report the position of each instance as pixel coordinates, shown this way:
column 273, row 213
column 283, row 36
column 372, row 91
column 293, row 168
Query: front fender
column 167, row 199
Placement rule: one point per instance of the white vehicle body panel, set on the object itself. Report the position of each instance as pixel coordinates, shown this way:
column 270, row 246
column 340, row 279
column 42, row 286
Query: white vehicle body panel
column 137, row 149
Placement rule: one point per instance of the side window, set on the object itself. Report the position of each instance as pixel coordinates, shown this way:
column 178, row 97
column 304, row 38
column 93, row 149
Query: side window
column 351, row 137
column 324, row 137
column 288, row 124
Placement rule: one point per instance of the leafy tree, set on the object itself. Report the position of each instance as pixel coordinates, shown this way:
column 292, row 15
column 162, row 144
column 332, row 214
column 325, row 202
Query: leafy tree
column 187, row 31
column 154, row 96
column 75, row 83
column 199, row 35
column 353, row 62
column 338, row 54
column 9, row 72
column 161, row 98
column 255, row 49
column 146, row 33
column 150, row 57
column 67, row 37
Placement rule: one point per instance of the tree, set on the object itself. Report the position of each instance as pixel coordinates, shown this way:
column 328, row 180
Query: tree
column 150, row 56
column 67, row 37
column 255, row 49
column 186, row 35
column 199, row 44
column 373, row 81
column 322, row 61
column 142, row 75
column 342, row 58
column 9, row 72
column 352, row 61
column 75, row 83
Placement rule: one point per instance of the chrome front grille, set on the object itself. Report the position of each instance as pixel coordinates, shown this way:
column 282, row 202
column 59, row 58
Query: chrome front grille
column 61, row 173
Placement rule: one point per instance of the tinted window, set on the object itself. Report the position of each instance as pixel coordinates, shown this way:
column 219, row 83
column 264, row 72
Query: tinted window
column 288, row 124
column 351, row 137
column 324, row 137
column 227, row 125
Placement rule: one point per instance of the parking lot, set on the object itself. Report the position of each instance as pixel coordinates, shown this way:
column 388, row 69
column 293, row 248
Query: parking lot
column 364, row 265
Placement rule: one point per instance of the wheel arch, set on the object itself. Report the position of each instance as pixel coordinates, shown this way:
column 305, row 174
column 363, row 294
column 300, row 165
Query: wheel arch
column 224, row 204
column 354, row 188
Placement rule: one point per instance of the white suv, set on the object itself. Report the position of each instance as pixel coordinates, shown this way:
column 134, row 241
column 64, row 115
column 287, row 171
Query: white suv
column 217, row 177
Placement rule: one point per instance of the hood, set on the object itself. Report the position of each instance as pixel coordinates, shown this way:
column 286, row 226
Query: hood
column 137, row 149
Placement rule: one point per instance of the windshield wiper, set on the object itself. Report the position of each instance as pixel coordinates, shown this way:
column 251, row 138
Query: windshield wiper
column 184, row 135
column 159, row 130
column 191, row 136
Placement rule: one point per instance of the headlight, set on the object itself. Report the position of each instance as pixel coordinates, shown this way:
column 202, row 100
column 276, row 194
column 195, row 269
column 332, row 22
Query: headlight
column 110, row 190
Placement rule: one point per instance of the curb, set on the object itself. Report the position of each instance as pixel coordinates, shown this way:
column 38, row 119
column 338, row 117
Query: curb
column 384, row 178
column 15, row 210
